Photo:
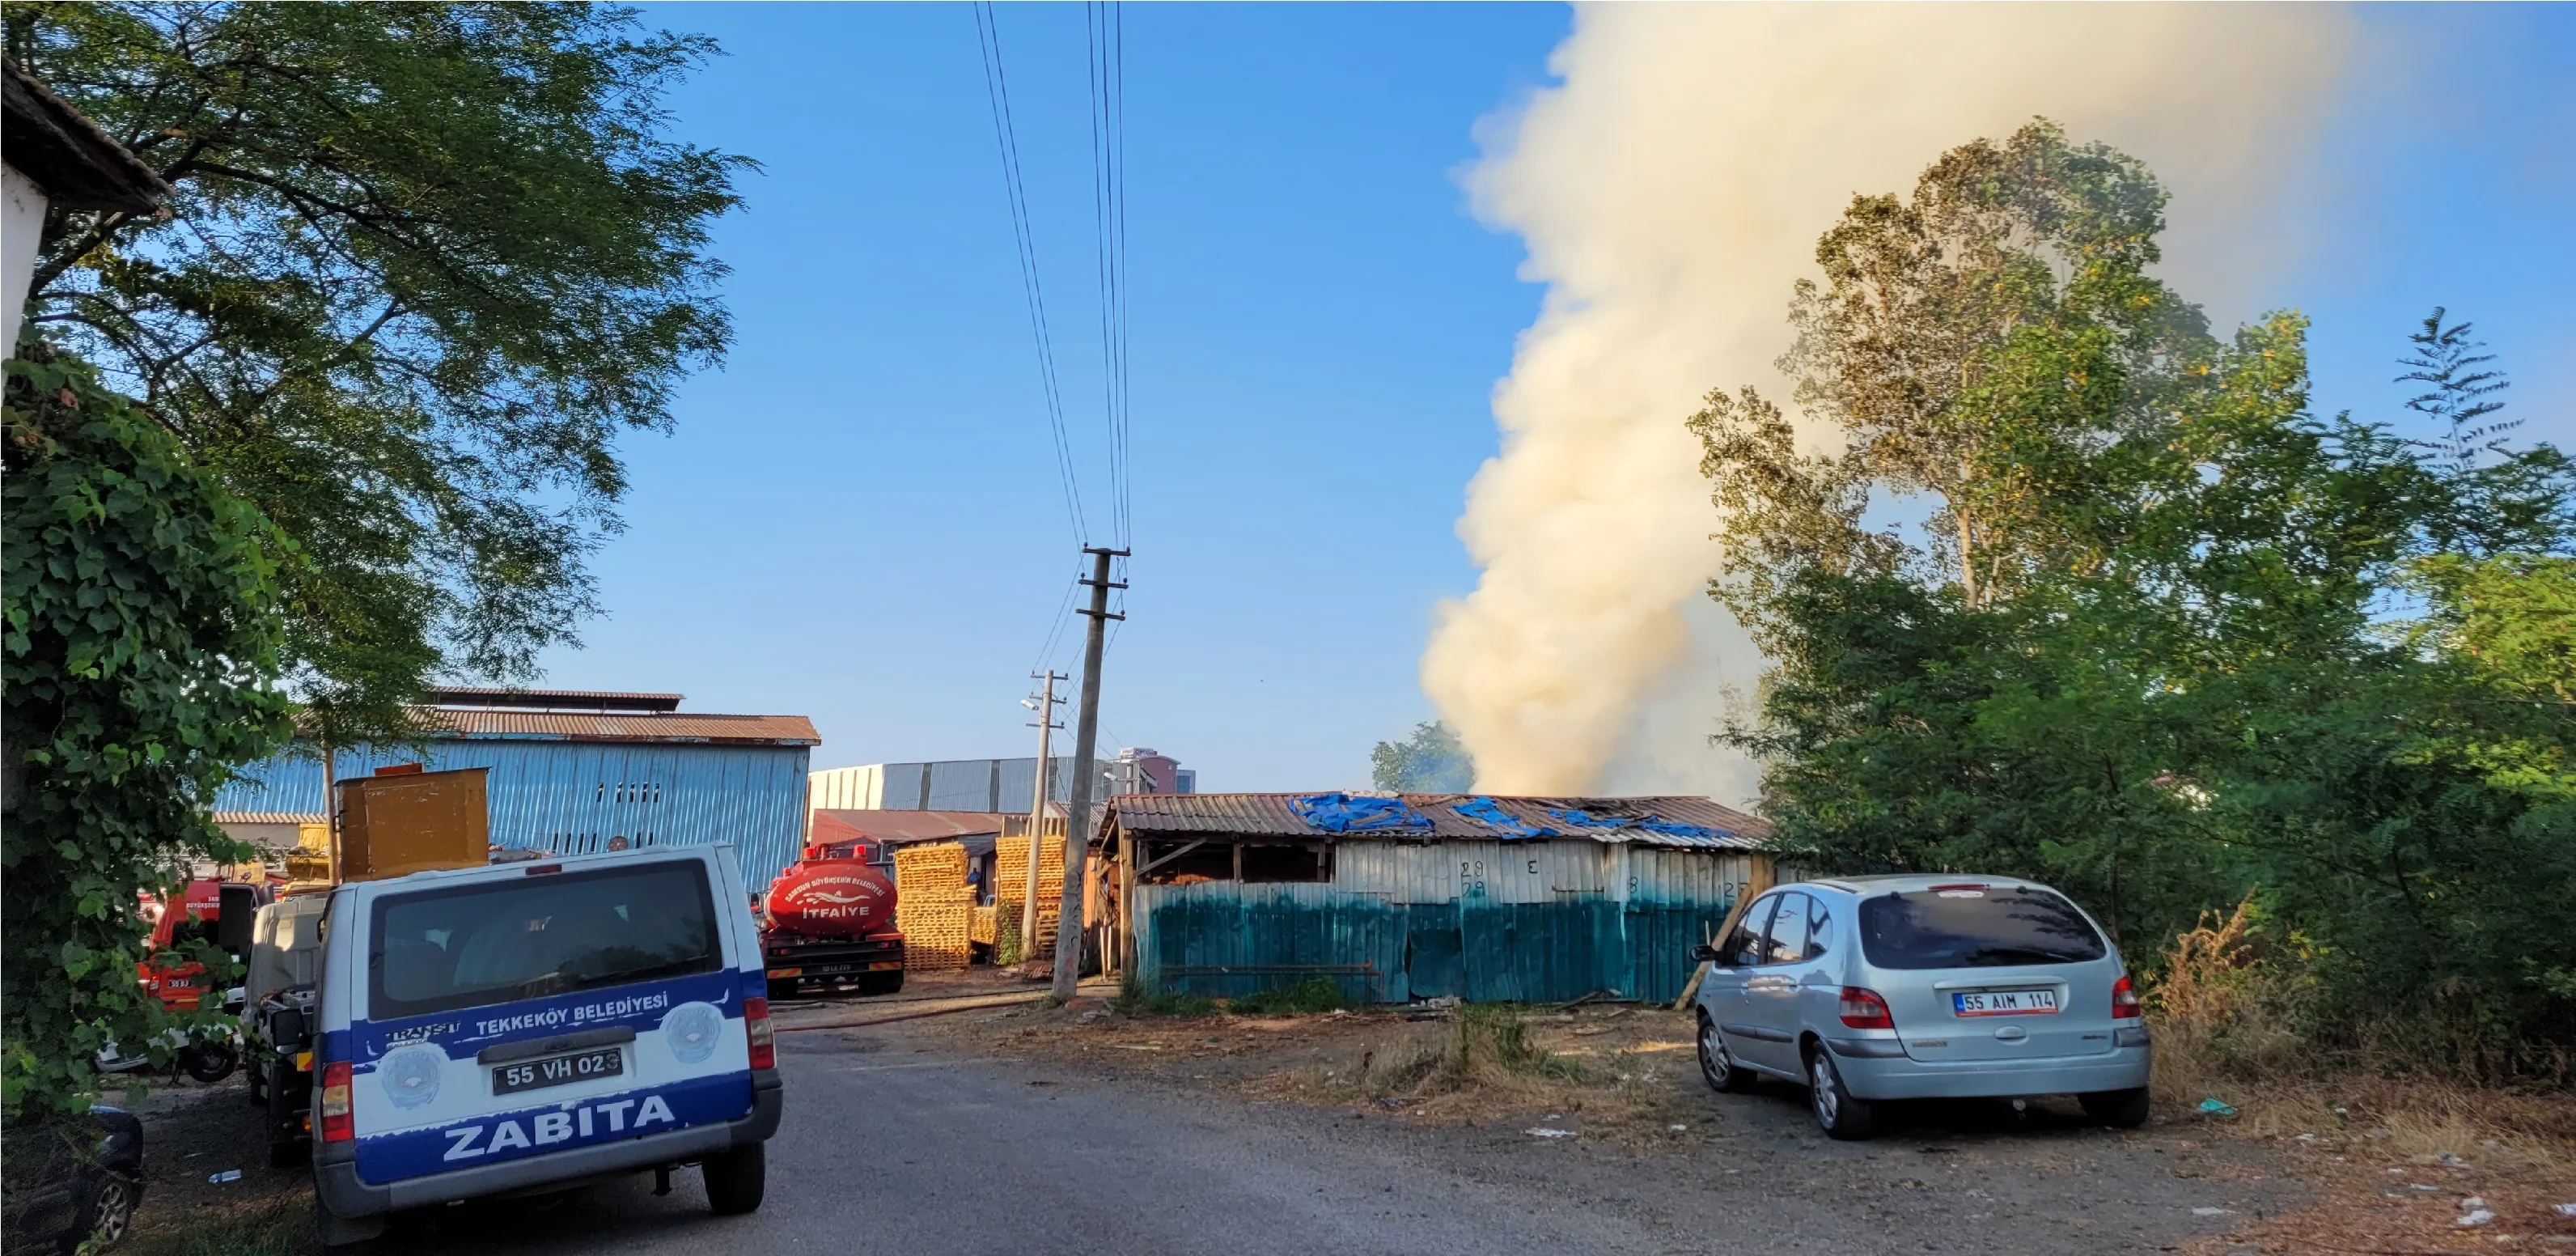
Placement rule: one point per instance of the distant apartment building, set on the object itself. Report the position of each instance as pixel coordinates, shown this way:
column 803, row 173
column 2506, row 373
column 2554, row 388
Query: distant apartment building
column 996, row 785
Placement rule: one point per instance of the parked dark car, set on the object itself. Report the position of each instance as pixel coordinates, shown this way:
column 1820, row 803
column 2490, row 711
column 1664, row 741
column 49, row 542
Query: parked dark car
column 72, row 1180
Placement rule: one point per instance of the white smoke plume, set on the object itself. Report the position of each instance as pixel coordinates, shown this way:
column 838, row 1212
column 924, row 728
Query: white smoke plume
column 1670, row 189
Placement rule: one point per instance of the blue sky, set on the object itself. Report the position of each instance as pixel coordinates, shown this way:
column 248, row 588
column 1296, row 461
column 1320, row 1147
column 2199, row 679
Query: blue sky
column 858, row 518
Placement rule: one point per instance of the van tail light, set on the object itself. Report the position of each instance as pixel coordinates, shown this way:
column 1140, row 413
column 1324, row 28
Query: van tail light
column 2124, row 1000
column 764, row 1039
column 333, row 1104
column 1864, row 1009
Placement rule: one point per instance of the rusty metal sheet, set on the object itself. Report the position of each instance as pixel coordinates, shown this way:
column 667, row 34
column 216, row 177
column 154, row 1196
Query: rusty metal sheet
column 552, row 699
column 1271, row 815
column 770, row 730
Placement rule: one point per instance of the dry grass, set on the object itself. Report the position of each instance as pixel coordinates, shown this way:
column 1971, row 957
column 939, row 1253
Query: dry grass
column 2225, row 1028
column 1491, row 1063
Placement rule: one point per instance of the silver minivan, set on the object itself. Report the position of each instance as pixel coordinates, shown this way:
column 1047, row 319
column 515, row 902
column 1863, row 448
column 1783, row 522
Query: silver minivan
column 1922, row 987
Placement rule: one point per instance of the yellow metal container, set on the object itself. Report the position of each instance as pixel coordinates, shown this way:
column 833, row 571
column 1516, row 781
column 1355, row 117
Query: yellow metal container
column 418, row 822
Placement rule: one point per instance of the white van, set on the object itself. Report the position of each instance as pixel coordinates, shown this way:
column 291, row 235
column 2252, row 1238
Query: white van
column 530, row 1026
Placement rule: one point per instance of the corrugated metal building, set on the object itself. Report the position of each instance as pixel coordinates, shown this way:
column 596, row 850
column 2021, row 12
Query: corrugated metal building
column 1487, row 898
column 572, row 770
column 990, row 784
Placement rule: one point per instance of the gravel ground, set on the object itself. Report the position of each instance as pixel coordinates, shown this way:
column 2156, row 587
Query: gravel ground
column 997, row 1132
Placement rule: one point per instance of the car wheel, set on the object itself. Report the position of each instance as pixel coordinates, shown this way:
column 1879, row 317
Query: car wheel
column 211, row 1062
column 1716, row 1066
column 109, row 1215
column 1838, row 1114
column 2123, row 1109
column 736, row 1179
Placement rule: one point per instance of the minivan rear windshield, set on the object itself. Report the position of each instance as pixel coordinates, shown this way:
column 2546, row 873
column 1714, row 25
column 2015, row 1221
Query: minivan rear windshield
column 1975, row 927
column 532, row 936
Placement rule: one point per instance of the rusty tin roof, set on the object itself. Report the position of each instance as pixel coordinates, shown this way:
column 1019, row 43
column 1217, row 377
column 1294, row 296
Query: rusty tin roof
column 897, row 828
column 721, row 730
column 1270, row 815
column 552, row 699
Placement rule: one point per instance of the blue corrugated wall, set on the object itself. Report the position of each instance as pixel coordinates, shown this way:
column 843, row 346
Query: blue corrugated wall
column 1479, row 949
column 573, row 796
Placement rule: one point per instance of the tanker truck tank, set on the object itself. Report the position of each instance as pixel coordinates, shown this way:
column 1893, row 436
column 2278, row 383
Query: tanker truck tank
column 828, row 922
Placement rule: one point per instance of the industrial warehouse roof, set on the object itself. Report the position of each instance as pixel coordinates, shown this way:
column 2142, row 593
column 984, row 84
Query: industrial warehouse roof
column 1505, row 819
column 673, row 726
column 553, row 699
column 897, row 828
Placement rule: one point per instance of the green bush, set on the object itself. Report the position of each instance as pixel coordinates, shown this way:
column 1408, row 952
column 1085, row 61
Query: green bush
column 141, row 650
column 1315, row 994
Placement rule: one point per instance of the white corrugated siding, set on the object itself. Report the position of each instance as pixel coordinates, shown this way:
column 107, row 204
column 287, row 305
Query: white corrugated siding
column 846, row 789
column 1539, row 871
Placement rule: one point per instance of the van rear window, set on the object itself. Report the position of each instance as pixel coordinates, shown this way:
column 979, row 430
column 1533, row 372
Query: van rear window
column 532, row 936
column 1996, row 926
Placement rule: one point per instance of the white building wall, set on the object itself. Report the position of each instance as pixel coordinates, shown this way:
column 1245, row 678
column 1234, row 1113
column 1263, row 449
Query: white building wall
column 22, row 227
column 846, row 789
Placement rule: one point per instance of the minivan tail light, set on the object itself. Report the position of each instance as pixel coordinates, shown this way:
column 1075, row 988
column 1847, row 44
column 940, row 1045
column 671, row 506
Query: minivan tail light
column 337, row 1127
column 2124, row 1000
column 755, row 1026
column 1864, row 1009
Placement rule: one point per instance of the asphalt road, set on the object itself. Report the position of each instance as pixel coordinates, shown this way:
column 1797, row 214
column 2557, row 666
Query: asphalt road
column 893, row 1147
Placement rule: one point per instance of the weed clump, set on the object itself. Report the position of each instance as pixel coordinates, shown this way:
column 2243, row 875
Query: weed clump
column 278, row 1229
column 1315, row 994
column 1134, row 1000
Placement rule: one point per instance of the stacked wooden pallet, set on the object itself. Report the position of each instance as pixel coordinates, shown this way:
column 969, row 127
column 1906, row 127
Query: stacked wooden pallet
column 933, row 905
column 979, row 927
column 1011, row 867
column 1010, row 873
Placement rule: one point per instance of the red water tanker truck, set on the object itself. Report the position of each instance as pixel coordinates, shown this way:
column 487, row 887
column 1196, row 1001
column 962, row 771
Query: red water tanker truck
column 828, row 921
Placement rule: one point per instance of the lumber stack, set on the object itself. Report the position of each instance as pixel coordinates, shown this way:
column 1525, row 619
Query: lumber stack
column 1010, row 874
column 979, row 927
column 1011, row 867
column 933, row 905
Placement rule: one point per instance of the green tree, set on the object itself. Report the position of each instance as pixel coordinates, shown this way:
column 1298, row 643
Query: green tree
column 422, row 265
column 2001, row 315
column 2208, row 642
column 1432, row 761
column 142, row 644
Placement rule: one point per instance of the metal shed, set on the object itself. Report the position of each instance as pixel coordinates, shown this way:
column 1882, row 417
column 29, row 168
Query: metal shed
column 1422, row 895
column 573, row 770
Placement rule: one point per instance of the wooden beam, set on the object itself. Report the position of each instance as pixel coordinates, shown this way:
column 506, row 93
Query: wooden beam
column 1169, row 856
column 1764, row 874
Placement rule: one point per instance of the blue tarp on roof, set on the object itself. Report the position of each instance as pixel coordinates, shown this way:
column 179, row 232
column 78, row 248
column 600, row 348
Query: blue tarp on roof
column 1650, row 823
column 1485, row 810
column 1342, row 813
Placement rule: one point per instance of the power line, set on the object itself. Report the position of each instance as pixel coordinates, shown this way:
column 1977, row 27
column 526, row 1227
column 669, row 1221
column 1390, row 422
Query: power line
column 1105, row 35
column 1055, row 630
column 997, row 91
column 1126, row 473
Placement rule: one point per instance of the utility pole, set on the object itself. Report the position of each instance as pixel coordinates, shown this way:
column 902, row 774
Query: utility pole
column 1045, row 707
column 1086, row 737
